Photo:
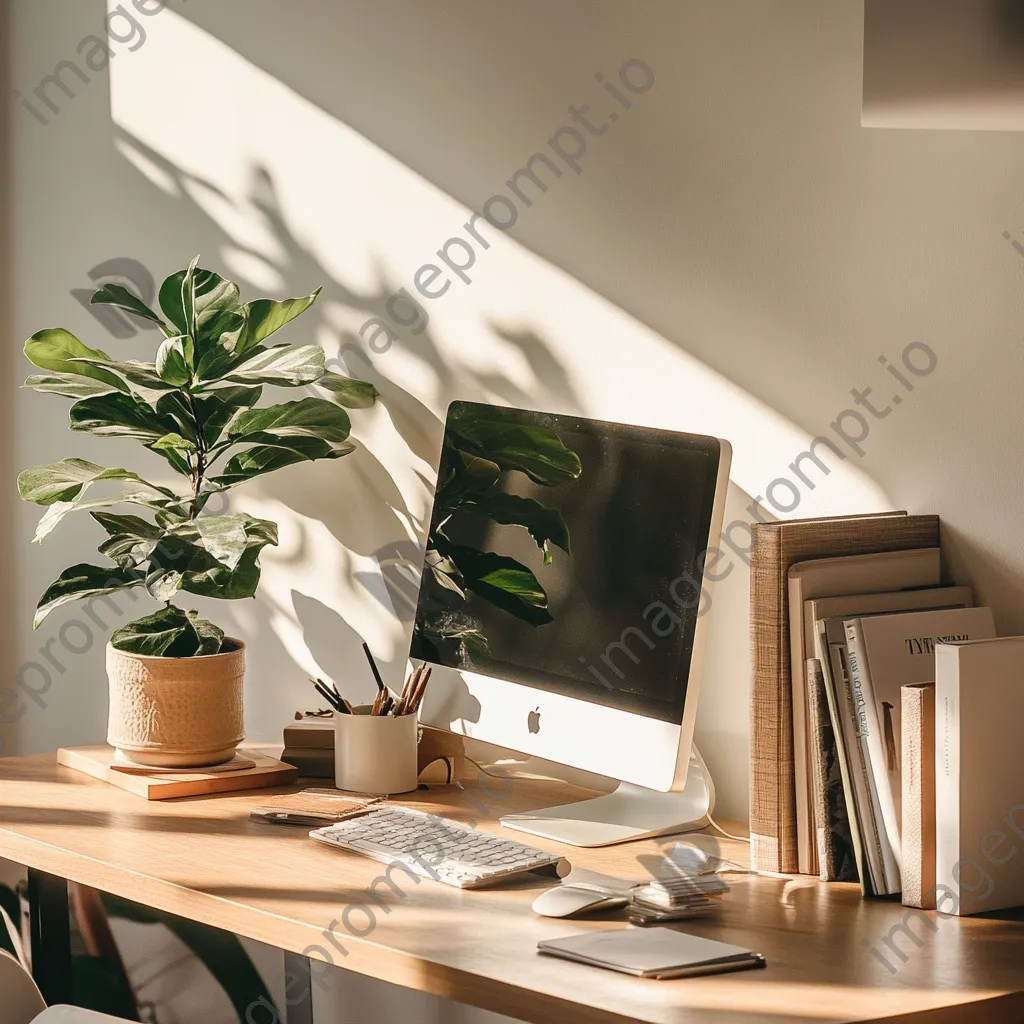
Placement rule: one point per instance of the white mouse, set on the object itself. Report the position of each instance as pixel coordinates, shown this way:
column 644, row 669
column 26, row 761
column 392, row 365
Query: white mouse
column 575, row 898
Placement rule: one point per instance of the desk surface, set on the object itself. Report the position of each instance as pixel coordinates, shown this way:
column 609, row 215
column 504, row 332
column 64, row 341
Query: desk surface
column 204, row 859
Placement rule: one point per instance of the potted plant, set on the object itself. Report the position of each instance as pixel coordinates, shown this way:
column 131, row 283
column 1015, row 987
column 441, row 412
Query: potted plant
column 175, row 678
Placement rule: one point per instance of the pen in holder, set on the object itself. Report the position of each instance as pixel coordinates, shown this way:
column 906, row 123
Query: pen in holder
column 375, row 753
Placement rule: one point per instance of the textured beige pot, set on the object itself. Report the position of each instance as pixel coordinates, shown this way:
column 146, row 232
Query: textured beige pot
column 176, row 712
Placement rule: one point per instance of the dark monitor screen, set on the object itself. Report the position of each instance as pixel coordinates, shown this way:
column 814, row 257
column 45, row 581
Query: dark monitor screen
column 566, row 554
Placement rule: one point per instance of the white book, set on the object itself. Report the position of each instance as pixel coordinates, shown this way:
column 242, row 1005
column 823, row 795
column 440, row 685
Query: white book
column 887, row 652
column 826, row 577
column 876, row 851
column 979, row 776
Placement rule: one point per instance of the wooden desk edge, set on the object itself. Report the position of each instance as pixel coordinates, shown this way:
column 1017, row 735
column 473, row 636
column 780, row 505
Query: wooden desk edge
column 380, row 962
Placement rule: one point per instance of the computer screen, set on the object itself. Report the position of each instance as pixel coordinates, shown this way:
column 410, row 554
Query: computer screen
column 566, row 553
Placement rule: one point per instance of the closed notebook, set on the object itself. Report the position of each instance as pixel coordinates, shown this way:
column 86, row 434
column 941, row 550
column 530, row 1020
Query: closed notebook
column 651, row 952
column 776, row 546
column 979, row 775
column 918, row 813
column 828, row 577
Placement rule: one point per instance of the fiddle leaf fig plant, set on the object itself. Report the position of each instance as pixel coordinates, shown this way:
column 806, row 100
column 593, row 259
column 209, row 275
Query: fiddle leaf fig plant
column 196, row 406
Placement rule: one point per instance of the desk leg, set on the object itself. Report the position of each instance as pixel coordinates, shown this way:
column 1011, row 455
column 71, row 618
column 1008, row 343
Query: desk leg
column 298, row 989
column 50, row 939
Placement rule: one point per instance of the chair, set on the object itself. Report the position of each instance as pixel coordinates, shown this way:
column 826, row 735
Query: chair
column 22, row 1003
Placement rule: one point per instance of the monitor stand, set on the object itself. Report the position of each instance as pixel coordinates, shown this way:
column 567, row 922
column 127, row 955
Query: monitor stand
column 628, row 812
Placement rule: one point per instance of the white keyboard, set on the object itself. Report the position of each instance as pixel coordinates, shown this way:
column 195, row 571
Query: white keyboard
column 437, row 848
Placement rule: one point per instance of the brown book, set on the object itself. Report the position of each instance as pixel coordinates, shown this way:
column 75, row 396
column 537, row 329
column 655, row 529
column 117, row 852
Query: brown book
column 310, row 733
column 918, row 812
column 312, row 762
column 776, row 546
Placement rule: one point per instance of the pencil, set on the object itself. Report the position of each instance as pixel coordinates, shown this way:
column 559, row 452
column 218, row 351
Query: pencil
column 403, row 701
column 373, row 668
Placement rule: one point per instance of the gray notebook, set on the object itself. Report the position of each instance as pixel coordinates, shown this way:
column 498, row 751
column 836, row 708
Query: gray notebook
column 652, row 952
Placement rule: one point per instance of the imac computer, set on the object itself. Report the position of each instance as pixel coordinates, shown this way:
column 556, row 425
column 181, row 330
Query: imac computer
column 562, row 604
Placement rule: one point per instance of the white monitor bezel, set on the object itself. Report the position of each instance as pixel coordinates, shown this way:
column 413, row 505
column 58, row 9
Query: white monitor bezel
column 592, row 737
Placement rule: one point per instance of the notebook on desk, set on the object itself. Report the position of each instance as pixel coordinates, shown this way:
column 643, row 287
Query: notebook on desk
column 652, row 952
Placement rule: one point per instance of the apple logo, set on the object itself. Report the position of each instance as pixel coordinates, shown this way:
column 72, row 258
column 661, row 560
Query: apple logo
column 533, row 720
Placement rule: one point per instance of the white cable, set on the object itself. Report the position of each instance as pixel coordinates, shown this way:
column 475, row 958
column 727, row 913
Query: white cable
column 728, row 835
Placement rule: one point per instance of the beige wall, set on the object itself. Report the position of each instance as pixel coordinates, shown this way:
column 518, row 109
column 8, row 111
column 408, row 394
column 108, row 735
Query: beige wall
column 735, row 255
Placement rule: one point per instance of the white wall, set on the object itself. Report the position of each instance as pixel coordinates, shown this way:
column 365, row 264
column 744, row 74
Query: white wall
column 735, row 255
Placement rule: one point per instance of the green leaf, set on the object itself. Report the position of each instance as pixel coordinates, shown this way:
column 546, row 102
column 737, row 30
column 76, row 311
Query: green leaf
column 61, row 352
column 117, row 295
column 172, row 359
column 545, row 524
column 80, row 581
column 58, row 510
column 173, row 442
column 69, row 385
column 208, row 295
column 347, row 391
column 503, row 582
column 218, row 338
column 133, row 370
column 210, row 636
column 310, row 417
column 266, row 458
column 535, row 451
column 117, row 415
column 163, row 583
column 265, row 316
column 223, row 537
column 167, row 633
column 206, row 577
column 70, row 479
column 117, row 525
column 209, row 413
column 284, row 365
column 131, row 540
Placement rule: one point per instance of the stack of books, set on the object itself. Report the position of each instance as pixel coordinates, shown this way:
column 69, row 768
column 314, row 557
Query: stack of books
column 845, row 612
column 309, row 746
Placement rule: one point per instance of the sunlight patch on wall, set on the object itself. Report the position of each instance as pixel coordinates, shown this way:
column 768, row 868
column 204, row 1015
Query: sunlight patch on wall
column 297, row 198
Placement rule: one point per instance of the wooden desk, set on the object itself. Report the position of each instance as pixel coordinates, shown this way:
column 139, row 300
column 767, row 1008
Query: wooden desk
column 203, row 859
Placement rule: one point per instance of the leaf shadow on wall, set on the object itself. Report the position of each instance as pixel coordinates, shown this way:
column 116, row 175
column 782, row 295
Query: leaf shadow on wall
column 358, row 501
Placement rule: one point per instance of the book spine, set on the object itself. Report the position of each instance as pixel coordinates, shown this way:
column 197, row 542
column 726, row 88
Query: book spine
column 772, row 809
column 860, row 780
column 869, row 736
column 803, row 738
column 947, row 768
column 918, row 769
column 818, row 725
column 833, row 690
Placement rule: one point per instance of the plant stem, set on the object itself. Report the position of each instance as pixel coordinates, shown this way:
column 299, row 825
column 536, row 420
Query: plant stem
column 200, row 469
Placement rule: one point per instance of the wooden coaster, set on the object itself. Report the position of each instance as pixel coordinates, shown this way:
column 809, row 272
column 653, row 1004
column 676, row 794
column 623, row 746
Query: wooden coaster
column 98, row 761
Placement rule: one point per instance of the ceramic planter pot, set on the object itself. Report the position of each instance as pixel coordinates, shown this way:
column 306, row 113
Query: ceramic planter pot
column 176, row 712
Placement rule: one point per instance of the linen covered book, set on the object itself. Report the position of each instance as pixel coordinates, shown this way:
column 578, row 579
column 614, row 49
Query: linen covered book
column 918, row 814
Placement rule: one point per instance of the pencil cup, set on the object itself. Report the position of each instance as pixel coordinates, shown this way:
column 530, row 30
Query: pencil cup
column 375, row 753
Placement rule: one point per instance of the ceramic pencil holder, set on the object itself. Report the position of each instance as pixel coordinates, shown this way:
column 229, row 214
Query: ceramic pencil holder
column 375, row 753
